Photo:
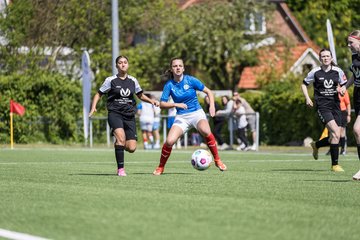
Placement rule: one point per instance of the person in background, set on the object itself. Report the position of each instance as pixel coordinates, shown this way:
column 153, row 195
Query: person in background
column 121, row 106
column 182, row 88
column 354, row 45
column 218, row 123
column 250, row 117
column 242, row 123
column 226, row 113
column 326, row 80
column 146, row 114
column 156, row 125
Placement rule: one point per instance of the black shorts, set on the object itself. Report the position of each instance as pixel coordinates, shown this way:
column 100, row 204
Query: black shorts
column 344, row 115
column 356, row 100
column 128, row 123
column 326, row 115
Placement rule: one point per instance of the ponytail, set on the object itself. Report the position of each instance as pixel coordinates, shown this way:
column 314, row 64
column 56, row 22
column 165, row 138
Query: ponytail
column 167, row 75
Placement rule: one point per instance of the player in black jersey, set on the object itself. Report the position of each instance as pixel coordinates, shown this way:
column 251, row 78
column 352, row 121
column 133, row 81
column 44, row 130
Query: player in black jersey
column 121, row 105
column 326, row 80
column 354, row 45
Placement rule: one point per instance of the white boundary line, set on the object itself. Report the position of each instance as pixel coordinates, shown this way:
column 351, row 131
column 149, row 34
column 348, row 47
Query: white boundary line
column 178, row 161
column 18, row 236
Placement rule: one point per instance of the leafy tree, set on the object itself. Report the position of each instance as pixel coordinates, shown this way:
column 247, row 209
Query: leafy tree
column 344, row 18
column 211, row 37
column 52, row 107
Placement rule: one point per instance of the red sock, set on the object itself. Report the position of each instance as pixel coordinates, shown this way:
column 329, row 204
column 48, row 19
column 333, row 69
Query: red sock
column 211, row 142
column 165, row 154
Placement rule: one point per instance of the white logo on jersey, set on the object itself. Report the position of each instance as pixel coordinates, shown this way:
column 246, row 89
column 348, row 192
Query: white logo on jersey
column 356, row 71
column 186, row 87
column 328, row 84
column 124, row 93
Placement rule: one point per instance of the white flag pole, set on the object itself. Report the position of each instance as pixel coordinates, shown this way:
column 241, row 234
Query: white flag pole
column 331, row 39
column 87, row 77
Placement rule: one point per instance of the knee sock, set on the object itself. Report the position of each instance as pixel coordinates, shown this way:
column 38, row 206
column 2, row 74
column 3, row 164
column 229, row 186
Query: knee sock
column 334, row 151
column 342, row 143
column 358, row 150
column 211, row 143
column 322, row 143
column 119, row 155
column 165, row 154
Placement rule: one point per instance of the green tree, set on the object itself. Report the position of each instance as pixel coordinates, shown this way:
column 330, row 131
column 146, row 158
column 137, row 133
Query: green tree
column 344, row 18
column 211, row 37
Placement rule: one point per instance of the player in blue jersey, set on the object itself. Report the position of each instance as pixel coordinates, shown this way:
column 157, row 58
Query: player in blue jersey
column 354, row 45
column 121, row 105
column 182, row 89
column 326, row 79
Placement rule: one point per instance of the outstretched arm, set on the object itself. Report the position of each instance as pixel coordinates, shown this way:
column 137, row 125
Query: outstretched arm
column 145, row 98
column 167, row 105
column 94, row 102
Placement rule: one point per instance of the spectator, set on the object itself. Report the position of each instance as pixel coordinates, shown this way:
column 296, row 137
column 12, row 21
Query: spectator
column 146, row 116
column 156, row 125
column 217, row 121
column 250, row 117
column 226, row 113
column 241, row 125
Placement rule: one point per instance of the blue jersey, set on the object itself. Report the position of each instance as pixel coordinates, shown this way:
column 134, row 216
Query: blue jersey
column 183, row 92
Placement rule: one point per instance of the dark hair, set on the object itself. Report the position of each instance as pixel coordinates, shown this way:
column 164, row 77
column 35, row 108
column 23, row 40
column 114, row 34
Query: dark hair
column 326, row 49
column 226, row 97
column 168, row 74
column 121, row 56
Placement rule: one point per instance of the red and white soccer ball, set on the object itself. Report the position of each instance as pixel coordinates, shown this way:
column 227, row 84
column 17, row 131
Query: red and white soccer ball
column 201, row 159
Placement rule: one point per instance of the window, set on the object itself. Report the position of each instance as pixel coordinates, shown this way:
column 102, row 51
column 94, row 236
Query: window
column 255, row 23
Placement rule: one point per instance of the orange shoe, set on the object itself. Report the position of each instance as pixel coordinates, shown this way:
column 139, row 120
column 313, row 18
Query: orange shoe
column 158, row 171
column 219, row 164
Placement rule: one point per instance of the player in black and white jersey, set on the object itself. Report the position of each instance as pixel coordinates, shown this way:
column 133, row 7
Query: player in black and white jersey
column 121, row 105
column 354, row 45
column 326, row 80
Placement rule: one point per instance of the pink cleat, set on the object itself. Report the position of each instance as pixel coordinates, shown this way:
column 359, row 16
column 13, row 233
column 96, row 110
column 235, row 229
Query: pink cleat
column 121, row 172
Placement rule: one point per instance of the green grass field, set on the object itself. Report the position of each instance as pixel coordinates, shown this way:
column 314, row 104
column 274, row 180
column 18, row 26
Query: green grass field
column 276, row 193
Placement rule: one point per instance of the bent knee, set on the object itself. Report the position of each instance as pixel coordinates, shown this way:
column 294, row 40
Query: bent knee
column 130, row 149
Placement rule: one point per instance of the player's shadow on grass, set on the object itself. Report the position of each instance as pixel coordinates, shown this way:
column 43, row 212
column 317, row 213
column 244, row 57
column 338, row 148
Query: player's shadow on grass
column 174, row 173
column 93, row 174
column 336, row 181
column 298, row 170
column 115, row 175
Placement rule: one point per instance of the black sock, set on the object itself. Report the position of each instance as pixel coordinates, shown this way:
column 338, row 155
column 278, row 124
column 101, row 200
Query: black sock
column 358, row 149
column 342, row 143
column 119, row 155
column 334, row 151
column 322, row 143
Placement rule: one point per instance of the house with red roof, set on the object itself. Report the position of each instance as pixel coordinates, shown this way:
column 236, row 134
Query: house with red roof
column 275, row 57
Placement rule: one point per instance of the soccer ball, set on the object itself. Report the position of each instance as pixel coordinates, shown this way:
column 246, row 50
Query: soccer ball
column 201, row 159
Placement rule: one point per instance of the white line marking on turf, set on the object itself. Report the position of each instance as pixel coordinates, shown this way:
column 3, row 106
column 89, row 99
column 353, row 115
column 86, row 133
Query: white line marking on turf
column 179, row 161
column 18, row 236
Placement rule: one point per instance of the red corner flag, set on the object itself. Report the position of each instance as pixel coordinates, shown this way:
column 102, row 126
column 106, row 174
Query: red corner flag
column 17, row 108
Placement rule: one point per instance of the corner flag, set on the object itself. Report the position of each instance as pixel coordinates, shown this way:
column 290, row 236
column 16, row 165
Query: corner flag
column 16, row 108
